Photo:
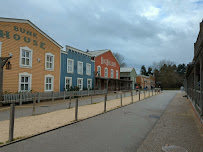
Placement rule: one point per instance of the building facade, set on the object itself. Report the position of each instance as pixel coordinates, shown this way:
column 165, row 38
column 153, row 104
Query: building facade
column 35, row 65
column 77, row 69
column 145, row 81
column 128, row 74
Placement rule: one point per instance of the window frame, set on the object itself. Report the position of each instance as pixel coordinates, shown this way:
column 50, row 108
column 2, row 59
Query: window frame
column 116, row 74
column 81, row 84
column 30, row 57
column 100, row 70
column 70, row 81
column 72, row 66
column 89, row 69
column 79, row 62
column 112, row 73
column 90, row 83
column 30, row 81
column 52, row 86
column 46, row 68
column 106, row 76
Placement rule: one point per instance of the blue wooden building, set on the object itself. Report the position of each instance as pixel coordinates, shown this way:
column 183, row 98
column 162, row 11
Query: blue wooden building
column 77, row 69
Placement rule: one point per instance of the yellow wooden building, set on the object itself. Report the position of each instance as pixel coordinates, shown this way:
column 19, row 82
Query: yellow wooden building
column 35, row 62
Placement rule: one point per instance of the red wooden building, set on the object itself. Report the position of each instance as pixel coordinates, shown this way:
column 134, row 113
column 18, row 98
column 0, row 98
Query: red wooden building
column 107, row 71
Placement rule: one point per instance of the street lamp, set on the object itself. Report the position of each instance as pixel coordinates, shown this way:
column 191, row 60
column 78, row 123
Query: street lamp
column 95, row 73
column 3, row 61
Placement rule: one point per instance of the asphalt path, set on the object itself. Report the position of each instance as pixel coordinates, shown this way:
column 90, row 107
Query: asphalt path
column 120, row 130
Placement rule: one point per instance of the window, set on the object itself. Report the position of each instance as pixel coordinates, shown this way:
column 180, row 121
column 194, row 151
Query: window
column 111, row 73
column 0, row 48
column 106, row 72
column 25, row 81
column 80, row 83
column 88, row 69
column 49, row 83
column 99, row 70
column 68, row 83
column 89, row 83
column 70, row 65
column 116, row 74
column 25, row 57
column 49, row 61
column 80, row 67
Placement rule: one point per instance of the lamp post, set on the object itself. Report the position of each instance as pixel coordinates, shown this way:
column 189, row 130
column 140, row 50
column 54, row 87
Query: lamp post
column 95, row 73
column 3, row 61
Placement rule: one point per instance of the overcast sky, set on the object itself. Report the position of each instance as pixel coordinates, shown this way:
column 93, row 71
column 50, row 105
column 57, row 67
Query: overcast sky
column 143, row 31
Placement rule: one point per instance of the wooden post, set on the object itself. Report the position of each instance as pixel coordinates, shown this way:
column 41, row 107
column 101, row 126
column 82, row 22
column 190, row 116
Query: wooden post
column 121, row 100
column 132, row 96
column 76, row 109
column 144, row 94
column 34, row 103
column 149, row 93
column 52, row 95
column 21, row 100
column 91, row 98
column 152, row 92
column 105, row 98
column 139, row 94
column 38, row 98
column 64, row 95
column 11, row 124
column 70, row 95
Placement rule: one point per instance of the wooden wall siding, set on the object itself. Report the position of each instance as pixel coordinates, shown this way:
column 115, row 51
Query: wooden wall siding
column 11, row 77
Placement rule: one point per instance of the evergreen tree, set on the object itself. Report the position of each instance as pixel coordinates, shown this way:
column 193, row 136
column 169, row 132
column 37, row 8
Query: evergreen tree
column 143, row 70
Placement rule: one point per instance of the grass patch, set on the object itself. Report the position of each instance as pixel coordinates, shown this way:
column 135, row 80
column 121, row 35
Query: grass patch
column 1, row 143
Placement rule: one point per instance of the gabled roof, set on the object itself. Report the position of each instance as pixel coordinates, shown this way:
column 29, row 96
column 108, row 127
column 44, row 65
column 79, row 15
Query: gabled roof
column 126, row 69
column 31, row 24
column 98, row 52
column 77, row 50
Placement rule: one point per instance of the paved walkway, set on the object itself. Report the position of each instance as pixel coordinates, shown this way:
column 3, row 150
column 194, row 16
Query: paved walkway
column 178, row 126
column 121, row 130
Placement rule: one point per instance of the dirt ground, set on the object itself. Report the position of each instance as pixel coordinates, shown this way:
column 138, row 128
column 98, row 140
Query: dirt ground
column 31, row 125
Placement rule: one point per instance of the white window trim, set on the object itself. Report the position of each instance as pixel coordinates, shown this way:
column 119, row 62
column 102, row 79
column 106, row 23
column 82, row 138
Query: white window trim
column 90, row 69
column 82, row 82
column 70, row 81
column 72, row 66
column 0, row 48
column 90, row 84
column 100, row 70
column 19, row 82
column 50, row 54
column 105, row 72
column 30, row 59
column 78, row 68
column 111, row 73
column 49, row 76
column 116, row 74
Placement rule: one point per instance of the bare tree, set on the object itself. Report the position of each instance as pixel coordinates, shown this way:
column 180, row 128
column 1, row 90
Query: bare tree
column 120, row 59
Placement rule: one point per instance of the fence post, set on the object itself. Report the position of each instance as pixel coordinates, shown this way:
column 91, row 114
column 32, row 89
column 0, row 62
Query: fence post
column 152, row 92
column 149, row 93
column 52, row 95
column 132, row 96
column 105, row 98
column 139, row 94
column 121, row 100
column 64, row 95
column 76, row 109
column 21, row 98
column 38, row 97
column 33, row 109
column 11, row 124
column 91, row 98
column 70, row 95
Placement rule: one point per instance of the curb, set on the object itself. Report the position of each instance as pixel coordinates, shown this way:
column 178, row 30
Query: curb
column 16, row 141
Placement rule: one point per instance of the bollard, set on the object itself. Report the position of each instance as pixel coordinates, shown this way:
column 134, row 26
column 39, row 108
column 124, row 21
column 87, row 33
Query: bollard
column 121, row 100
column 34, row 103
column 139, row 94
column 131, row 96
column 91, row 98
column 38, row 100
column 76, row 109
column 105, row 98
column 11, row 124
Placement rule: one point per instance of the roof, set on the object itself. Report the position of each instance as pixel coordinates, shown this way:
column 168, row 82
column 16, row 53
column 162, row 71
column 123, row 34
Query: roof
column 126, row 69
column 142, row 76
column 2, row 19
column 77, row 50
column 98, row 52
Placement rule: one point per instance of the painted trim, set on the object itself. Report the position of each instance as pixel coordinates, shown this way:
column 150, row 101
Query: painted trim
column 31, row 24
column 90, row 84
column 105, row 72
column 78, row 67
column 72, row 66
column 100, row 69
column 77, row 50
column 70, row 81
column 19, row 80
column 112, row 73
column 89, row 74
column 30, row 59
column 49, row 69
column 0, row 48
column 52, row 87
column 116, row 74
column 82, row 82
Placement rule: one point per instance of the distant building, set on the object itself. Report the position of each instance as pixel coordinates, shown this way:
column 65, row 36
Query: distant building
column 144, row 81
column 77, row 69
column 128, row 74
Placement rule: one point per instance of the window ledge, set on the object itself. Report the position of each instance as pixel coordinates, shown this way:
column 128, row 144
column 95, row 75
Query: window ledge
column 25, row 66
column 49, row 69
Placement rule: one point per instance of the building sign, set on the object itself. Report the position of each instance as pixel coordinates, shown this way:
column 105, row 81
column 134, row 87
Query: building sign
column 107, row 62
column 30, row 37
